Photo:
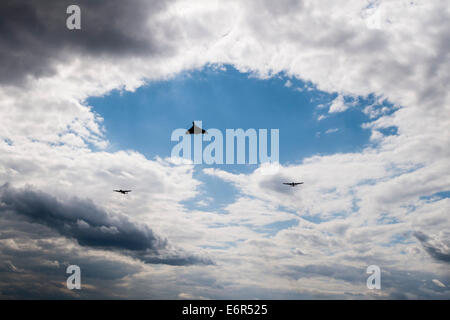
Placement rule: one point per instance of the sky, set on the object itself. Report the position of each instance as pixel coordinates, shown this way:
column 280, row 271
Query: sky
column 223, row 98
column 358, row 91
column 227, row 99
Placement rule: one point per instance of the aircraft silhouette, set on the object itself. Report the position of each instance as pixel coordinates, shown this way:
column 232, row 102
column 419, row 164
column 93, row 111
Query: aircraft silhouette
column 196, row 130
column 292, row 184
column 122, row 191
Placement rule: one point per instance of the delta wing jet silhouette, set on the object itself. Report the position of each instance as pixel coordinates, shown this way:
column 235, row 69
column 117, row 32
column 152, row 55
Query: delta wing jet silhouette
column 196, row 130
column 292, row 184
column 122, row 191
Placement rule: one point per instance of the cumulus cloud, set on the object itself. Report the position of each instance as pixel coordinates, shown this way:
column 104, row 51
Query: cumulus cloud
column 338, row 105
column 437, row 249
column 438, row 283
column 354, row 209
column 40, row 266
column 92, row 226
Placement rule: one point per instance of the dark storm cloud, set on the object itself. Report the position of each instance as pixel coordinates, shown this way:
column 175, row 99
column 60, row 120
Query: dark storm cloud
column 34, row 259
column 91, row 226
column 80, row 219
column 398, row 284
column 436, row 251
column 29, row 274
column 33, row 34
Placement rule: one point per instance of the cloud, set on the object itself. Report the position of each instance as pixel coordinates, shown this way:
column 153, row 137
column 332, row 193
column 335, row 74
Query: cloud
column 92, row 226
column 34, row 36
column 333, row 130
column 439, row 250
column 354, row 208
column 40, row 267
column 395, row 284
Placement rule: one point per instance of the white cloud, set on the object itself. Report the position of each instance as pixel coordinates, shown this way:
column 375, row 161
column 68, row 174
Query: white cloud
column 438, row 283
column 338, row 105
column 332, row 130
column 47, row 132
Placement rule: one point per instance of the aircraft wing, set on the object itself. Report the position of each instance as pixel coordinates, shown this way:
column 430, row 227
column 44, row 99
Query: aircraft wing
column 190, row 130
column 195, row 130
column 292, row 183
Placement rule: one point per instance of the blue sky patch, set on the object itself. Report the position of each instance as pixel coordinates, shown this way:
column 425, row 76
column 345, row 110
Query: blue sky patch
column 144, row 120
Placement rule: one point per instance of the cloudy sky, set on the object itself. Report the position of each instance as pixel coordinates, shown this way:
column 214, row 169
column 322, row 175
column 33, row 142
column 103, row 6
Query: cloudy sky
column 359, row 91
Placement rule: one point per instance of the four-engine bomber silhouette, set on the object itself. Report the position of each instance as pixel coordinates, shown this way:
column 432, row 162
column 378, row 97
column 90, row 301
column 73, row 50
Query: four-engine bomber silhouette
column 122, row 191
column 196, row 130
column 292, row 184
